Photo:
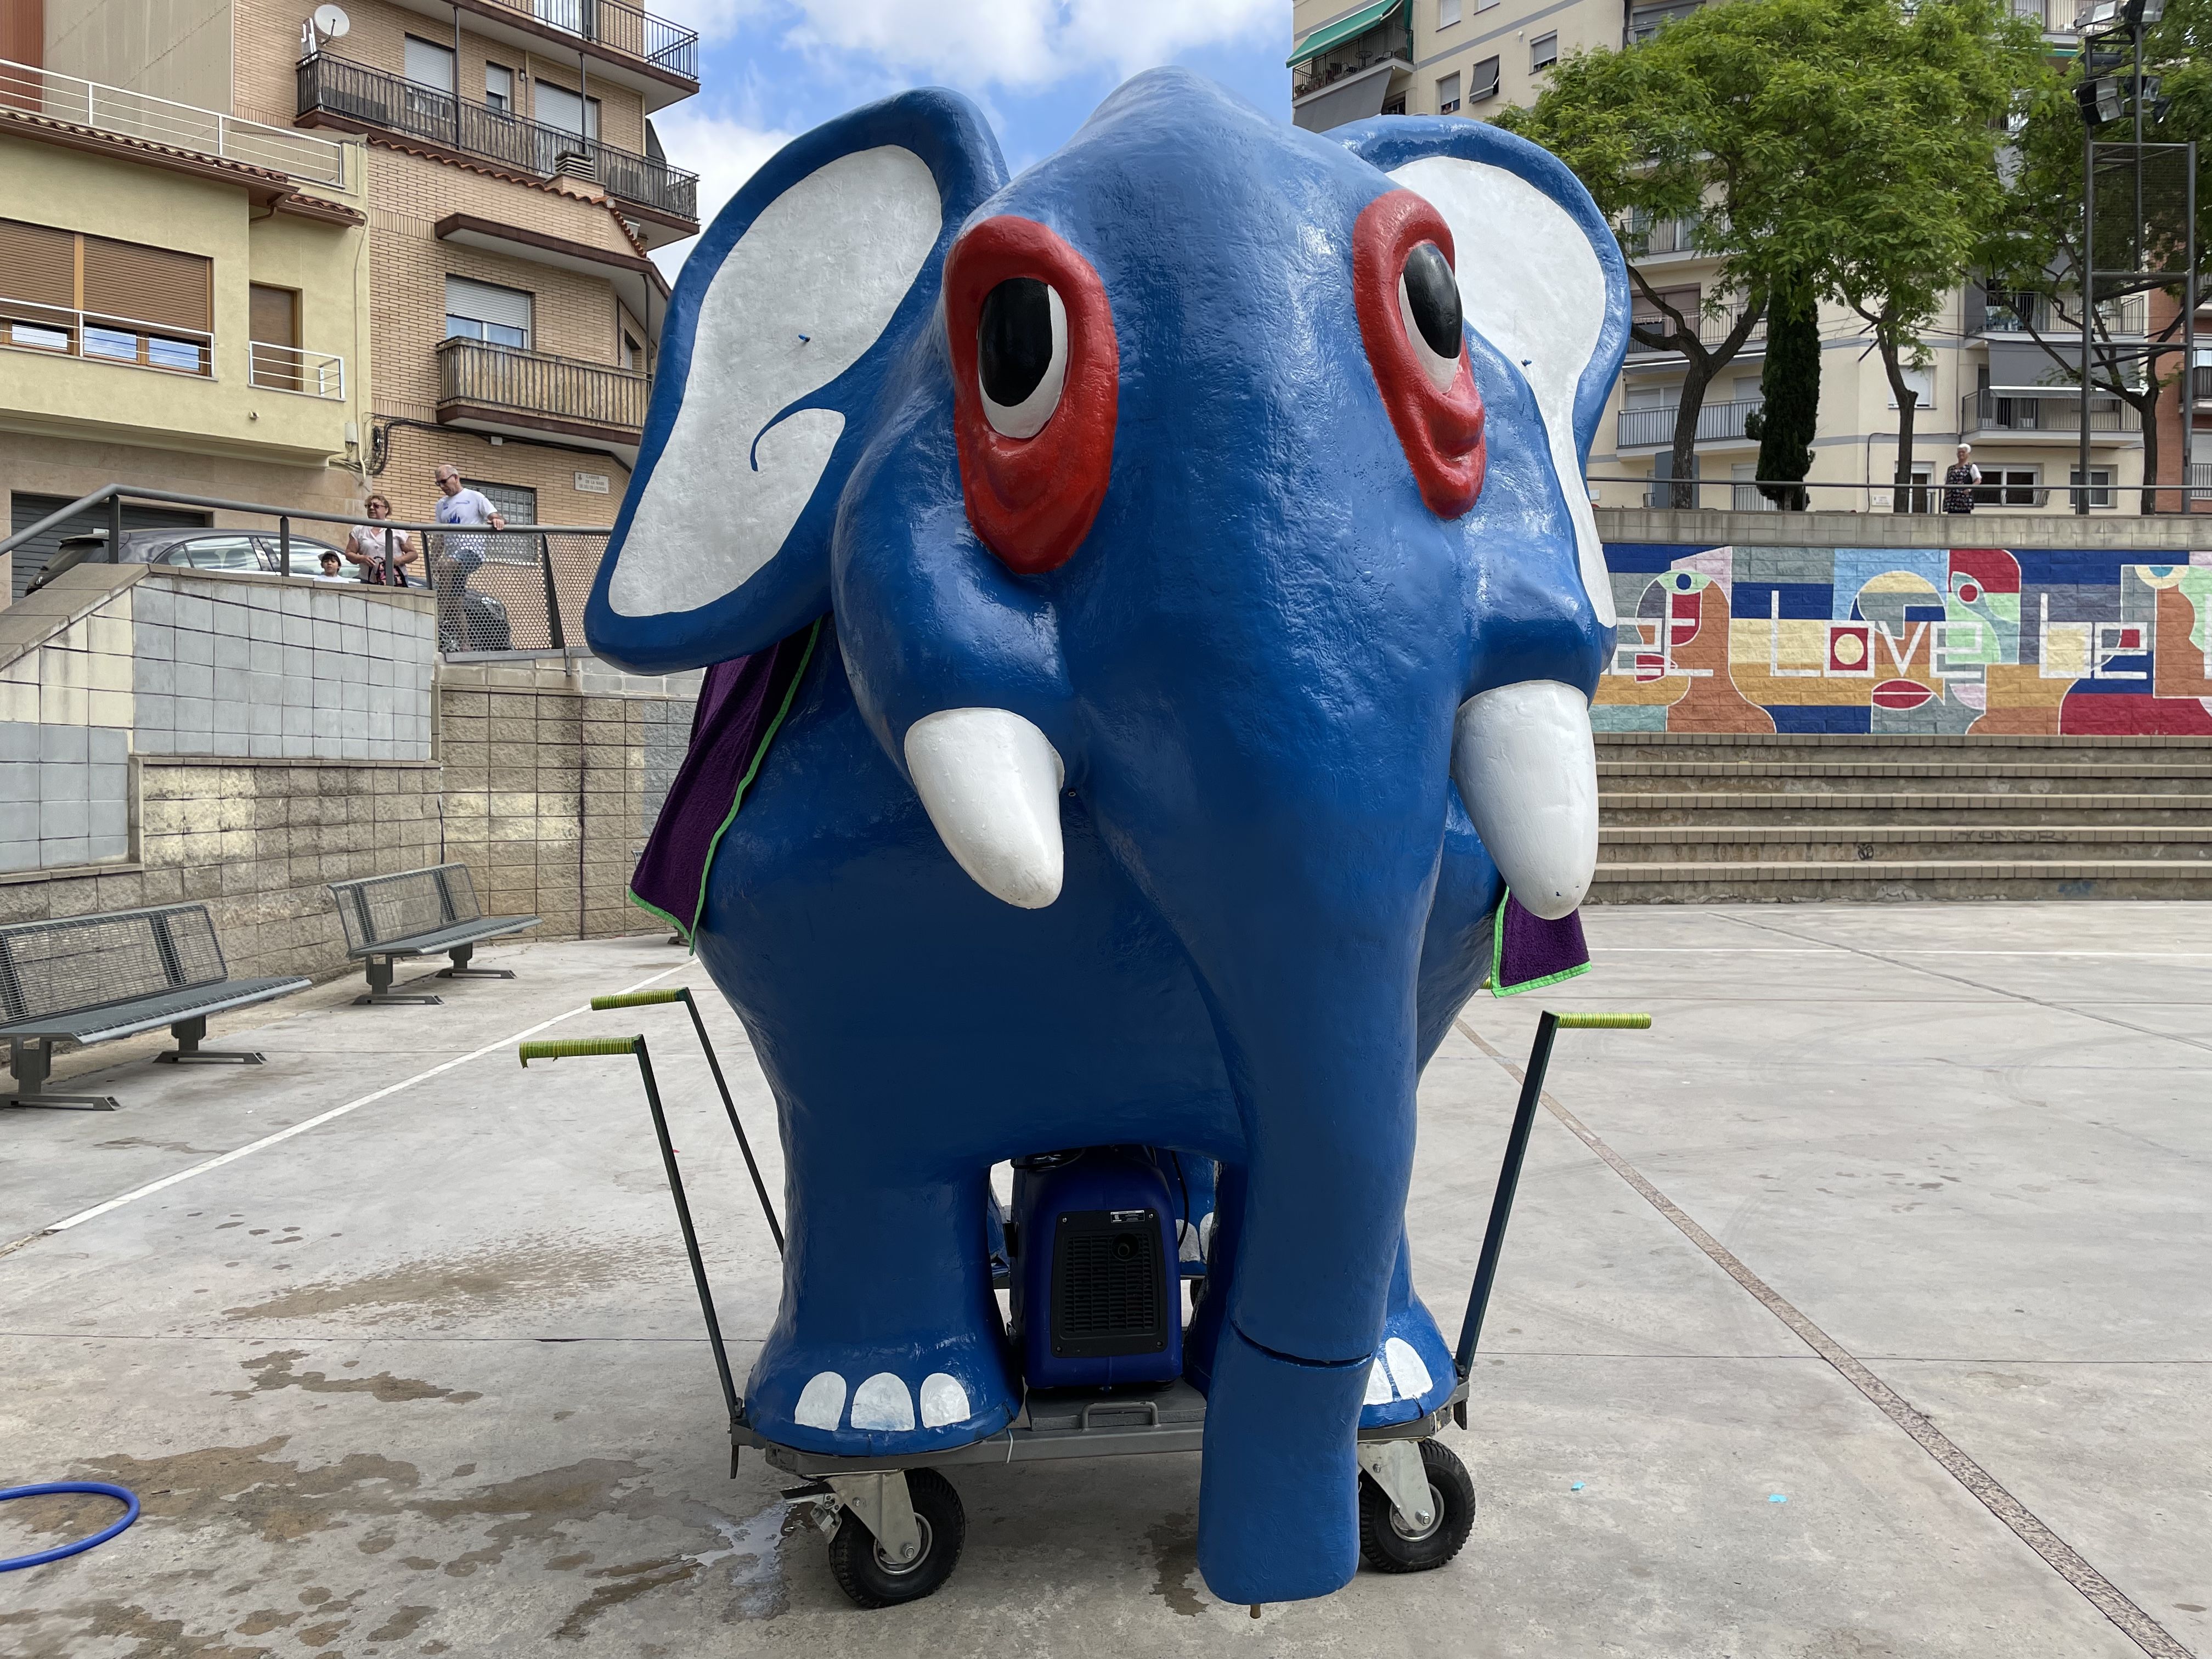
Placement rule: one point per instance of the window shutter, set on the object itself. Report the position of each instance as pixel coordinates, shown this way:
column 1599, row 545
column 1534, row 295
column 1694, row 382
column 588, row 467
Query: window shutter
column 38, row 264
column 1485, row 81
column 482, row 302
column 146, row 284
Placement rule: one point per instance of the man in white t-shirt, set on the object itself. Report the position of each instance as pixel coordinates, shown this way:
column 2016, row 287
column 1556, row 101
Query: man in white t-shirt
column 461, row 556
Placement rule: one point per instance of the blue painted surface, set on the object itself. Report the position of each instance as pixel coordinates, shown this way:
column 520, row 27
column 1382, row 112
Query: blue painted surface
column 1274, row 900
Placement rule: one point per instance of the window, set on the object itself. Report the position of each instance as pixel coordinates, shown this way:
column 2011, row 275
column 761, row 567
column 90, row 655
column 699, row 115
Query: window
column 1483, row 5
column 1447, row 95
column 429, row 65
column 1484, row 82
column 479, row 310
column 1923, row 382
column 633, row 354
column 2009, row 486
column 1543, row 52
column 499, row 87
column 273, row 353
column 217, row 553
column 2100, row 484
column 514, row 502
column 1646, row 315
column 1447, row 13
column 570, row 111
column 92, row 296
column 1648, row 397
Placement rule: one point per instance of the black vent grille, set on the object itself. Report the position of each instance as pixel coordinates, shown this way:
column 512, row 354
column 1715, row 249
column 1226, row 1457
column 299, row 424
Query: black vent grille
column 1109, row 1290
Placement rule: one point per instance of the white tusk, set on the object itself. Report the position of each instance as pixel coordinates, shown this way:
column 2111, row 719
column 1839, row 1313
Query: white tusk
column 1526, row 768
column 990, row 782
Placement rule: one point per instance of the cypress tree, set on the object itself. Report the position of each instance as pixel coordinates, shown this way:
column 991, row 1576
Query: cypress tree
column 1790, row 396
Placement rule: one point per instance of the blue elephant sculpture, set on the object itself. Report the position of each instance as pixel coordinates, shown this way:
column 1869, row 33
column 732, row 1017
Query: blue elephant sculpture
column 1190, row 604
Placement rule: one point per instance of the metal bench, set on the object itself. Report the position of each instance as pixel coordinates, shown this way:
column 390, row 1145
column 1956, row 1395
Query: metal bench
column 90, row 978
column 418, row 913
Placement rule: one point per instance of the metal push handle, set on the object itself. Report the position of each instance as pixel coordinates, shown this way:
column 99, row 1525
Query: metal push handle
column 637, row 999
column 577, row 1048
column 1509, row 1174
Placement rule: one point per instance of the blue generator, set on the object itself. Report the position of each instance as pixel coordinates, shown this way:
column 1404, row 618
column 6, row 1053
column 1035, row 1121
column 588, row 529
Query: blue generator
column 1096, row 1289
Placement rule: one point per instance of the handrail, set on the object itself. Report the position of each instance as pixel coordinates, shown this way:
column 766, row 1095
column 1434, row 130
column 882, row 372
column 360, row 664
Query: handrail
column 635, row 32
column 72, row 322
column 164, row 121
column 287, row 368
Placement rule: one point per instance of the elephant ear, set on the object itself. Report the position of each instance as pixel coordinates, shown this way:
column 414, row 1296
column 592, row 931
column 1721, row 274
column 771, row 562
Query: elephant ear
column 1540, row 277
column 808, row 288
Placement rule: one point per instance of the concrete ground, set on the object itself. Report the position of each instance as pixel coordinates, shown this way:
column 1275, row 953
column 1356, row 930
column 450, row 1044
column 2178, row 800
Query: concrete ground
column 1894, row 1205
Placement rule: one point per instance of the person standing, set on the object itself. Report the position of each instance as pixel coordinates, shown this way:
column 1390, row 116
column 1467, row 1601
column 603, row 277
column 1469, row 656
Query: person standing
column 380, row 553
column 1960, row 480
column 462, row 556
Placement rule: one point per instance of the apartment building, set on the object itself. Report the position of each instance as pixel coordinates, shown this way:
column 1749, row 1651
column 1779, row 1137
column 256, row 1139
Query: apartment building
column 1987, row 382
column 458, row 198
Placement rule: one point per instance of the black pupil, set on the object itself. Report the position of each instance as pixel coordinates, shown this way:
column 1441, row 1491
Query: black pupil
column 1013, row 341
column 1434, row 298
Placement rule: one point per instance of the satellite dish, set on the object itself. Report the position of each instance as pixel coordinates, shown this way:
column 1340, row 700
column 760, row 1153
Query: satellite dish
column 331, row 23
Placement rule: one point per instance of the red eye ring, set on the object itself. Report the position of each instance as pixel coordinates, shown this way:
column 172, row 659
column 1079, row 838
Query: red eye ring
column 1032, row 499
column 1441, row 431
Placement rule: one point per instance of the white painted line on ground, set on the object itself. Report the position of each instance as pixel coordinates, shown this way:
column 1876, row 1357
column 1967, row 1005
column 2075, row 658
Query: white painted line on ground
column 300, row 1128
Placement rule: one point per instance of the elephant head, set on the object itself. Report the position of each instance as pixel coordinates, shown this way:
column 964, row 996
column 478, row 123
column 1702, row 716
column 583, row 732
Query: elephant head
column 1225, row 479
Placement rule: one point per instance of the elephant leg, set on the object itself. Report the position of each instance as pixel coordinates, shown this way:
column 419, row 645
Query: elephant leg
column 1412, row 1374
column 889, row 1339
column 1203, row 1336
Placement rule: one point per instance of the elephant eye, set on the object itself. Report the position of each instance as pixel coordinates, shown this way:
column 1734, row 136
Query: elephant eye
column 1428, row 302
column 1021, row 355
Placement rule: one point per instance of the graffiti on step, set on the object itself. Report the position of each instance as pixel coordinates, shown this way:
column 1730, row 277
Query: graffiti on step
column 1897, row 641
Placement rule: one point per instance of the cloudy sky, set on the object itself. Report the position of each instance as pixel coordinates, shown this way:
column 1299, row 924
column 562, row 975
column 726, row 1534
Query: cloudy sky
column 771, row 69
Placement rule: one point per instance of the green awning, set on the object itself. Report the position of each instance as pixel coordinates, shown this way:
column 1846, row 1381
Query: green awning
column 1336, row 33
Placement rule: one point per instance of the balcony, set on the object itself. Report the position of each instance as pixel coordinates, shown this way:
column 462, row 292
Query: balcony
column 653, row 56
column 1653, row 428
column 2013, row 310
column 2200, row 387
column 1644, row 238
column 53, row 331
column 2056, row 415
column 116, row 113
column 489, row 388
column 288, row 368
column 1711, row 331
column 1349, row 69
column 336, row 93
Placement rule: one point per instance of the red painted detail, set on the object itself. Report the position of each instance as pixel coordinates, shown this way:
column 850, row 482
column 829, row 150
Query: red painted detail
column 1033, row 499
column 2133, row 713
column 2131, row 639
column 1855, row 657
column 1440, row 431
column 1650, row 667
column 1968, row 593
column 1684, row 613
column 1901, row 694
column 1996, row 570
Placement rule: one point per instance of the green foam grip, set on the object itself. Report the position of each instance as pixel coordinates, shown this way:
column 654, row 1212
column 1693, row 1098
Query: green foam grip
column 636, row 999
column 1605, row 1021
column 576, row 1047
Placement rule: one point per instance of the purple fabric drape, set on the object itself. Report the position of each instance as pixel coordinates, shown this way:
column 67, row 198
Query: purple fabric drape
column 1528, row 951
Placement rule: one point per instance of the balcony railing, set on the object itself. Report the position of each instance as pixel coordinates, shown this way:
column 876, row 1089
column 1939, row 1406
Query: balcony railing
column 1711, row 331
column 1387, row 41
column 1642, row 238
column 2200, row 481
column 64, row 333
column 1993, row 411
column 536, row 383
column 352, row 93
column 1645, row 427
column 31, row 91
column 2004, row 311
column 618, row 27
column 2200, row 383
column 288, row 368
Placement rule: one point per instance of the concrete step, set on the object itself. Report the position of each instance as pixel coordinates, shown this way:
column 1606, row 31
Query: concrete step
column 1859, row 748
column 1884, row 880
column 2161, row 777
column 1844, row 842
column 1625, row 808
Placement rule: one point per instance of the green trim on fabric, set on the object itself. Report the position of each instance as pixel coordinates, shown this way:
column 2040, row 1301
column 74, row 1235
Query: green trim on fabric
column 790, row 694
column 1494, row 984
column 653, row 909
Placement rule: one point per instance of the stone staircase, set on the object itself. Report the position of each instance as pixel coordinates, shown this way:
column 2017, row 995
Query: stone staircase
column 1687, row 817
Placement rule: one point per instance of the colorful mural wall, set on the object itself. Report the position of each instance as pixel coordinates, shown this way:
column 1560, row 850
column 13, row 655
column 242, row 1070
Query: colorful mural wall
column 1892, row 641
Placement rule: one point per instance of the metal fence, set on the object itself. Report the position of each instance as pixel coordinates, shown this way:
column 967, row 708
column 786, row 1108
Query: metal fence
column 519, row 592
column 620, row 28
column 35, row 91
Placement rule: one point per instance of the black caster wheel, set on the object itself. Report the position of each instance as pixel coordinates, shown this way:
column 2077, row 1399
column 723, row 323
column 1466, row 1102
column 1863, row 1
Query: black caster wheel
column 1384, row 1541
column 866, row 1574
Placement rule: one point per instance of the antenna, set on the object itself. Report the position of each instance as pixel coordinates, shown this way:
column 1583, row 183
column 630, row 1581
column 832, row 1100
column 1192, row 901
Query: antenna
column 331, row 23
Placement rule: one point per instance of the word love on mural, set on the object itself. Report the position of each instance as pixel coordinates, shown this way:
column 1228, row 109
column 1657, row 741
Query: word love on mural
column 1907, row 641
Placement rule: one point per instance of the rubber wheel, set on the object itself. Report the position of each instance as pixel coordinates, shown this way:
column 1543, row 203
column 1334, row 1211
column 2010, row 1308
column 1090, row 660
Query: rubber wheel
column 1384, row 1542
column 872, row 1581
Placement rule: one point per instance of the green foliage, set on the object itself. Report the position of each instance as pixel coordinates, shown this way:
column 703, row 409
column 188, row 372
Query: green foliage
column 1790, row 395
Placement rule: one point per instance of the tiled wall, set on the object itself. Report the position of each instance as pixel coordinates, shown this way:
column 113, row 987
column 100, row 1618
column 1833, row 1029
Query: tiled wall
column 64, row 795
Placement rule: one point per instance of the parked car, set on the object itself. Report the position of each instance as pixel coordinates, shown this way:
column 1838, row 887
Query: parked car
column 482, row 625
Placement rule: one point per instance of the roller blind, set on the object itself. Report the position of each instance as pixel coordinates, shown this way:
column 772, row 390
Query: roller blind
column 147, row 284
column 482, row 302
column 38, row 264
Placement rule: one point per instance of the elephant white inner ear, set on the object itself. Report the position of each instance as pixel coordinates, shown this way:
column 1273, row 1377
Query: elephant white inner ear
column 1428, row 302
column 1021, row 355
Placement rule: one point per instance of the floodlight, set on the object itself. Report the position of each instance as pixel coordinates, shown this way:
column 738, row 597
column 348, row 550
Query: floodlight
column 2101, row 99
column 2098, row 15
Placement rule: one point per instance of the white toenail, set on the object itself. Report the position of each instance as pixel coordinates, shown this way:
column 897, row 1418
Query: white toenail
column 1378, row 1385
column 943, row 1400
column 882, row 1403
column 1406, row 1370
column 821, row 1401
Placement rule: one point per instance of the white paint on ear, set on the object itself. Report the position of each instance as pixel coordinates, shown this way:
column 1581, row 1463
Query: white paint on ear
column 1378, row 1384
column 798, row 301
column 1530, row 284
column 1525, row 766
column 1407, row 1369
column 822, row 1401
column 882, row 1403
column 943, row 1400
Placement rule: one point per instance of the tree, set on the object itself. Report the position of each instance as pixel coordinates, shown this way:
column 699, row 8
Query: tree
column 1789, row 395
column 2038, row 245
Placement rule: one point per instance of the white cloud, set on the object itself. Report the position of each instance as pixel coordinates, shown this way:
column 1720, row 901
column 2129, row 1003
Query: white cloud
column 1012, row 43
column 723, row 152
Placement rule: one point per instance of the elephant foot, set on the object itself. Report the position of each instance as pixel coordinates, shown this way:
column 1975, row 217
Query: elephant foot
column 1412, row 1373
column 1278, row 1490
column 856, row 1401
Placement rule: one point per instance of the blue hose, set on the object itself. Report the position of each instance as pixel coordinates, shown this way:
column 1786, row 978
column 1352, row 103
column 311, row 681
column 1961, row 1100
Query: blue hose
column 123, row 1495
